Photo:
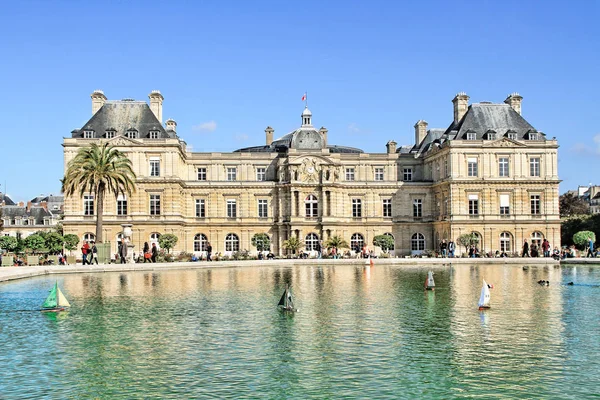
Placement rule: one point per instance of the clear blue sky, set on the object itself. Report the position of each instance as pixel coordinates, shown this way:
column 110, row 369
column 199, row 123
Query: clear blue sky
column 227, row 69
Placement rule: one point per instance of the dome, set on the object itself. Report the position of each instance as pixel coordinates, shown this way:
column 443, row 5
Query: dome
column 306, row 112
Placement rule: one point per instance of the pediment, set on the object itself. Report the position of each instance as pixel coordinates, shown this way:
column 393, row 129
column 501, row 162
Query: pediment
column 315, row 159
column 123, row 141
column 505, row 142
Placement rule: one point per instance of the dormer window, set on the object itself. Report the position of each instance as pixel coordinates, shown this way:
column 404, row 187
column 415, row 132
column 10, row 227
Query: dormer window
column 154, row 134
column 110, row 133
column 471, row 135
column 131, row 134
column 491, row 135
column 512, row 135
column 534, row 136
column 88, row 134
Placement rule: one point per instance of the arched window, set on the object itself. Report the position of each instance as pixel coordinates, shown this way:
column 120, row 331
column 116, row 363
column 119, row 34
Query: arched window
column 357, row 241
column 392, row 236
column 505, row 242
column 200, row 242
column 312, row 206
column 479, row 244
column 154, row 239
column 232, row 242
column 89, row 236
column 536, row 238
column 311, row 241
column 417, row 242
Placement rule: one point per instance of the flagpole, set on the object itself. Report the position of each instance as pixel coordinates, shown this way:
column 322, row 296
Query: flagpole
column 306, row 99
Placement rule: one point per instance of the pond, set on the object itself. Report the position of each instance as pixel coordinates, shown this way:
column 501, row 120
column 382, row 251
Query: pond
column 360, row 333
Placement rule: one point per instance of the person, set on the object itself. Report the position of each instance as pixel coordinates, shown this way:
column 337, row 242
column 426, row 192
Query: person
column 546, row 248
column 444, row 248
column 556, row 254
column 93, row 254
column 147, row 253
column 84, row 251
column 208, row 252
column 123, row 251
column 534, row 250
column 194, row 258
column 590, row 252
column 318, row 249
column 154, row 252
column 525, row 252
column 451, row 248
column 472, row 251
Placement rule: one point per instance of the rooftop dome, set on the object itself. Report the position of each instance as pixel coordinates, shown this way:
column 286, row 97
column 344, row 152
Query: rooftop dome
column 306, row 112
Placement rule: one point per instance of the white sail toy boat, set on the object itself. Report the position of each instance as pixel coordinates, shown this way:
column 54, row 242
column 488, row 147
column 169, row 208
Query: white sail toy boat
column 484, row 299
column 286, row 303
column 429, row 282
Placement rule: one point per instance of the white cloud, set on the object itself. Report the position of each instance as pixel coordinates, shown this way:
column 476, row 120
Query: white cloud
column 241, row 137
column 354, row 128
column 209, row 126
column 583, row 148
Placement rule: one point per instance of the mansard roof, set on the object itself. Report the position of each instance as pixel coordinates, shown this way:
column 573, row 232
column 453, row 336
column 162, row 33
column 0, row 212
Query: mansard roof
column 6, row 200
column 122, row 116
column 37, row 213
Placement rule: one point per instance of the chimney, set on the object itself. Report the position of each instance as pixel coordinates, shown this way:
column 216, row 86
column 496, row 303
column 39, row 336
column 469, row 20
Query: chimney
column 21, row 204
column 323, row 131
column 391, row 147
column 98, row 99
column 420, row 131
column 44, row 205
column 461, row 104
column 29, row 204
column 156, row 100
column 171, row 125
column 269, row 135
column 514, row 100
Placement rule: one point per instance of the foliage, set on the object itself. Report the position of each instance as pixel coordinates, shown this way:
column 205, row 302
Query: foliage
column 99, row 170
column 240, row 255
column 467, row 240
column 9, row 243
column 34, row 242
column 54, row 242
column 571, row 225
column 293, row 244
column 570, row 204
column 581, row 238
column 261, row 241
column 183, row 256
column 386, row 242
column 1, row 220
column 336, row 242
column 167, row 241
column 71, row 241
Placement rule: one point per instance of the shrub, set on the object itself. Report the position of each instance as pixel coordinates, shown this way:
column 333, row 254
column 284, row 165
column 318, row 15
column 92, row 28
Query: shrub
column 581, row 238
column 167, row 241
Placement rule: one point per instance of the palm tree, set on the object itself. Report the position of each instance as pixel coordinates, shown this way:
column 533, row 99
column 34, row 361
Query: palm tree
column 293, row 244
column 99, row 170
column 336, row 241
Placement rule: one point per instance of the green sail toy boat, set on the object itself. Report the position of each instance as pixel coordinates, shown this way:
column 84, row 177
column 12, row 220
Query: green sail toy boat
column 56, row 301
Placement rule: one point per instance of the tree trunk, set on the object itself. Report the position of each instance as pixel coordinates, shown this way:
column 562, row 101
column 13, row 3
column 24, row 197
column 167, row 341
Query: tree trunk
column 99, row 213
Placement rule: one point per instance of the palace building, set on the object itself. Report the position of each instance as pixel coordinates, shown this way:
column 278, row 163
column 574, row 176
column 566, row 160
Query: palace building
column 490, row 172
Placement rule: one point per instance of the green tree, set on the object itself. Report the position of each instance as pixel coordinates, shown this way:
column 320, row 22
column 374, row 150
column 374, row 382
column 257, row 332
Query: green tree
column 467, row 240
column 581, row 238
column 35, row 243
column 386, row 242
column 8, row 243
column 336, row 242
column 99, row 170
column 570, row 204
column 1, row 220
column 71, row 241
column 261, row 241
column 293, row 244
column 54, row 242
column 167, row 241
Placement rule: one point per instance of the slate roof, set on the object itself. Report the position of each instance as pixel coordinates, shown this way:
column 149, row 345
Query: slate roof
column 6, row 200
column 54, row 203
column 38, row 213
column 121, row 116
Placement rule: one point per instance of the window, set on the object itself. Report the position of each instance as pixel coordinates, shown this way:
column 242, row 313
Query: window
column 472, row 166
column 89, row 237
column 261, row 174
column 534, row 136
column 504, row 204
column 387, row 208
column 471, row 136
column 231, row 173
column 201, row 173
column 88, row 204
column 232, row 242
column 417, row 208
column 200, row 208
column 491, row 135
column 200, row 242
column 311, row 241
column 122, row 205
column 503, row 166
column 534, row 166
column 155, row 204
column 505, row 239
column 446, row 169
column 473, row 204
column 131, row 134
column 391, row 236
column 263, row 209
column 154, row 166
column 153, row 134
column 357, row 241
column 378, row 174
column 417, row 242
column 407, row 175
column 512, row 135
column 536, row 238
column 349, row 174
column 154, row 239
column 110, row 134
column 312, row 206
column 535, row 204
column 356, row 208
column 231, row 208
column 88, row 134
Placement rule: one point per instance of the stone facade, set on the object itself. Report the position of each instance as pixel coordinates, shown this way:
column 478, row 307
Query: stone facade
column 489, row 172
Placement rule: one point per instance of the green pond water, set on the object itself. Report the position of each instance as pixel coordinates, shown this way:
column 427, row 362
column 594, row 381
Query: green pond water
column 369, row 334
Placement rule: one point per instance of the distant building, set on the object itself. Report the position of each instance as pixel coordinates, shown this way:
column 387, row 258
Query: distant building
column 591, row 195
column 490, row 172
column 42, row 213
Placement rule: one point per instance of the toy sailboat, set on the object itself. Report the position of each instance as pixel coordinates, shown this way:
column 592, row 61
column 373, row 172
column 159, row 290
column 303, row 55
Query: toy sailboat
column 56, row 301
column 429, row 282
column 286, row 303
column 484, row 299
